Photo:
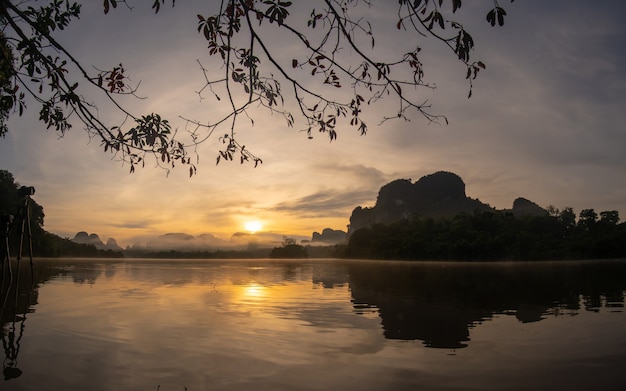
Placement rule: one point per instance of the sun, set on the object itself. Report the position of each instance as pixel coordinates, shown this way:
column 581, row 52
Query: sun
column 253, row 226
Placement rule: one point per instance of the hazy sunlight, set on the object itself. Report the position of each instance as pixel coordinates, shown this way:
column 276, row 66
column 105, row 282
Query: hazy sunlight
column 253, row 226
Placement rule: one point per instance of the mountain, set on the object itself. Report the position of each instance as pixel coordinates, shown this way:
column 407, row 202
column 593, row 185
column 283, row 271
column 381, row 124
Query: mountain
column 522, row 206
column 438, row 195
column 172, row 241
column 183, row 242
column 329, row 236
column 112, row 245
column 83, row 237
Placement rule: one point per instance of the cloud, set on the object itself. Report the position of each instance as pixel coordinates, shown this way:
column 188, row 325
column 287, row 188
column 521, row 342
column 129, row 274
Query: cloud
column 360, row 184
column 134, row 224
column 326, row 203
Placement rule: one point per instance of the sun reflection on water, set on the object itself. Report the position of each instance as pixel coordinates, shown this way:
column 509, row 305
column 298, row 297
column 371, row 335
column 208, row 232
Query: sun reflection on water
column 254, row 291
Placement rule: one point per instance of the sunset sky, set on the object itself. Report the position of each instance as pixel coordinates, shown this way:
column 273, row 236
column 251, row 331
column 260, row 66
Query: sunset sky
column 547, row 121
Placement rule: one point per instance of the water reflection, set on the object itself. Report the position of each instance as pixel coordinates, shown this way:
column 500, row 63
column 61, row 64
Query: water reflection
column 16, row 295
column 242, row 310
column 438, row 303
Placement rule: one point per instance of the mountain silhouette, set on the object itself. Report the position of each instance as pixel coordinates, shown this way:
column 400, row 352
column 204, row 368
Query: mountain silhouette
column 522, row 206
column 437, row 195
column 329, row 236
column 83, row 237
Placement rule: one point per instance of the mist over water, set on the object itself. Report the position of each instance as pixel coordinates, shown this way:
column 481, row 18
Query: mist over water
column 314, row 325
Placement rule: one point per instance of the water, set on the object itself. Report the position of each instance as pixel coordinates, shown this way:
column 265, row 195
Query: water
column 314, row 325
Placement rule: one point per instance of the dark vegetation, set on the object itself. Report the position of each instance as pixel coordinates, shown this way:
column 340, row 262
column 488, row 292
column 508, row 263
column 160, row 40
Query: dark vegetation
column 44, row 244
column 493, row 235
column 294, row 251
column 433, row 218
column 289, row 249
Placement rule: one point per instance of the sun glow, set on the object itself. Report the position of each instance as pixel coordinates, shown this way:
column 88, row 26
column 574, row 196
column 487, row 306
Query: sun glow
column 254, row 291
column 253, row 226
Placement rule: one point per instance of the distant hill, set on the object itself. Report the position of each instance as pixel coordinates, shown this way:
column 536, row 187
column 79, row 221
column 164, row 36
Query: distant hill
column 329, row 236
column 83, row 237
column 183, row 242
column 437, row 195
column 522, row 206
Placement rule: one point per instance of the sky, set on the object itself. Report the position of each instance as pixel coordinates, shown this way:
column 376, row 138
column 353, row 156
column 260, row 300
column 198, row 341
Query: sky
column 546, row 121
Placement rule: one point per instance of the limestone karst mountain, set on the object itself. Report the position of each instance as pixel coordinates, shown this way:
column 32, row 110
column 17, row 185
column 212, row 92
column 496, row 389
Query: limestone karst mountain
column 329, row 236
column 437, row 195
column 83, row 237
column 441, row 194
column 522, row 206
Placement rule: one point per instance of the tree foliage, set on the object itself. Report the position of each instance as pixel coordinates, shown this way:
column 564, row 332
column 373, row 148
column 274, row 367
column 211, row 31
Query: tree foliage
column 334, row 48
column 495, row 236
column 290, row 249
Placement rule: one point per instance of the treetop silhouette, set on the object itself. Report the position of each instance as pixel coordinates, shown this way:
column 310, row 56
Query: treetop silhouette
column 336, row 51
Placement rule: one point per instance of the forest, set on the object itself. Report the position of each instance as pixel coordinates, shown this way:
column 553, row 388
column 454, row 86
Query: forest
column 494, row 236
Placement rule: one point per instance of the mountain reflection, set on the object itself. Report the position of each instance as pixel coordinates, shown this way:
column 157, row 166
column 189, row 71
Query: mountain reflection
column 438, row 303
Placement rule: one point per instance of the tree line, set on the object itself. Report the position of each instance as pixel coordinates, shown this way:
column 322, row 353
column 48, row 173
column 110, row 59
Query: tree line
column 556, row 235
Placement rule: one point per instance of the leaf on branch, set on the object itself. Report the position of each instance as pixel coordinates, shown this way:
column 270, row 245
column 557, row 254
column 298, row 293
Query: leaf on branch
column 496, row 14
column 156, row 6
column 456, row 4
column 277, row 12
column 501, row 16
column 440, row 20
column 113, row 3
column 332, row 134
